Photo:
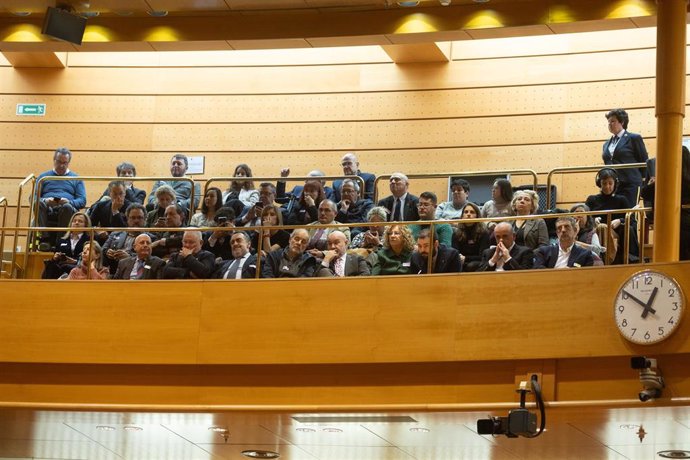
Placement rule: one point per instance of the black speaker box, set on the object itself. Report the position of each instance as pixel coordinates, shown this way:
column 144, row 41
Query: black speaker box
column 64, row 25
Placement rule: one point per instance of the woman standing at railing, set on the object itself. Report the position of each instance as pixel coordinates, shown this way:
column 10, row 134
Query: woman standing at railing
column 471, row 239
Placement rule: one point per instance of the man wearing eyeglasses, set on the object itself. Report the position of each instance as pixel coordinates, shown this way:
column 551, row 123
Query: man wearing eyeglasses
column 350, row 166
column 426, row 206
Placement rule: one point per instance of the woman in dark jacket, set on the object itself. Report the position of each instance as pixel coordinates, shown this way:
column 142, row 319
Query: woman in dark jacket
column 306, row 210
column 470, row 239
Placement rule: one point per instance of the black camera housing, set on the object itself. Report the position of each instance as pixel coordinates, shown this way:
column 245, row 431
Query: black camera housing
column 519, row 422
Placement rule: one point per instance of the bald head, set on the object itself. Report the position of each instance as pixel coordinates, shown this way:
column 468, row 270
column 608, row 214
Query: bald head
column 142, row 246
column 337, row 241
column 350, row 164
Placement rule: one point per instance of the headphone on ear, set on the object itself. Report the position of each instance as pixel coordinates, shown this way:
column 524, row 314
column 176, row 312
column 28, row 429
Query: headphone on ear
column 608, row 172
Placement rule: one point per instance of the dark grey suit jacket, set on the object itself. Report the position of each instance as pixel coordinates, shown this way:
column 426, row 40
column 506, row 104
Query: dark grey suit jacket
column 124, row 268
column 355, row 265
column 521, row 258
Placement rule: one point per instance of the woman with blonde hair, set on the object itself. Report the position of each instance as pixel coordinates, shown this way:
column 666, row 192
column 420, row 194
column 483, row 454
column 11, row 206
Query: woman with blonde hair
column 90, row 266
column 533, row 232
column 394, row 258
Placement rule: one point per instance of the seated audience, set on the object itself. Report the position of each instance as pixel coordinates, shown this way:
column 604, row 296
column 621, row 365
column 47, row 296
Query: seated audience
column 471, row 240
column 132, row 194
column 372, row 238
column 191, row 262
column 291, row 262
column 68, row 248
column 531, row 233
column 251, row 216
column 607, row 181
column 241, row 190
column 170, row 241
column 165, row 196
column 337, row 262
column 58, row 199
column 448, row 210
column 297, row 189
column 401, row 205
column 426, row 207
column 566, row 254
column 89, row 267
column 271, row 239
column 211, row 204
column 587, row 233
column 142, row 265
column 648, row 193
column 499, row 205
column 394, row 258
column 318, row 236
column 351, row 208
column 120, row 245
column 183, row 189
column 243, row 262
column 506, row 255
column 217, row 241
column 306, row 210
column 350, row 166
column 444, row 259
column 110, row 212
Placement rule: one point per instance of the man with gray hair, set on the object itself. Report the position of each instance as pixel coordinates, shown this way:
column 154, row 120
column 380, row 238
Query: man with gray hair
column 243, row 263
column 291, row 262
column 318, row 236
column 191, row 262
column 566, row 254
column 337, row 262
column 506, row 255
column 350, row 166
column 401, row 204
column 351, row 208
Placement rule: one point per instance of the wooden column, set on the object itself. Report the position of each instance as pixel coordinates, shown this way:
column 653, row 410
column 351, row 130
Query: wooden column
column 670, row 111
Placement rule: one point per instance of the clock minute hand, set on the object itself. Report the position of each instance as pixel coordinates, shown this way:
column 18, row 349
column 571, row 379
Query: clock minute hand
column 635, row 299
column 648, row 307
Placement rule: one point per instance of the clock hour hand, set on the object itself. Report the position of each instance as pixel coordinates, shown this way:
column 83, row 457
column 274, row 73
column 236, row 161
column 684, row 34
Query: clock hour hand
column 648, row 307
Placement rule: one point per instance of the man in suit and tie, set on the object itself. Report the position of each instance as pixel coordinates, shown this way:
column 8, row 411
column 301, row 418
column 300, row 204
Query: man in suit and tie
column 141, row 266
column 318, row 237
column 444, row 259
column 350, row 166
column 506, row 255
column 120, row 245
column 566, row 254
column 191, row 262
column 337, row 262
column 243, row 263
column 401, row 204
column 623, row 148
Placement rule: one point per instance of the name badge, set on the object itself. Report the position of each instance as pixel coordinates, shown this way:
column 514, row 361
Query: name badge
column 406, row 264
column 147, row 267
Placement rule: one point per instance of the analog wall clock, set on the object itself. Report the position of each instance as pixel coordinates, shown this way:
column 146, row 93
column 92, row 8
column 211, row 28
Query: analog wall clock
column 648, row 307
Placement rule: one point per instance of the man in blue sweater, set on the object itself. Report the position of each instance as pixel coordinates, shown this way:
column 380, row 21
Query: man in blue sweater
column 59, row 199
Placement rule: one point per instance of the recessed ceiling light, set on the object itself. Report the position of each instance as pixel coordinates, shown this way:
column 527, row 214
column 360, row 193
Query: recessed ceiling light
column 132, row 428
column 21, row 13
column 419, row 429
column 332, row 430
column 306, row 430
column 628, row 426
column 218, row 429
column 260, row 454
column 158, row 14
column 674, row 453
column 105, row 428
column 408, row 3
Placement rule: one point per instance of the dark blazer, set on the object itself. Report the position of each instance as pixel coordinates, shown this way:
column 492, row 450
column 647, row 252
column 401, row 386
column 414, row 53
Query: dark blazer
column 367, row 193
column 447, row 261
column 102, row 216
column 124, row 268
column 63, row 245
column 546, row 257
column 248, row 269
column 630, row 149
column 355, row 265
column 132, row 194
column 534, row 233
column 283, row 197
column 357, row 212
column 200, row 264
column 521, row 258
column 271, row 266
column 409, row 211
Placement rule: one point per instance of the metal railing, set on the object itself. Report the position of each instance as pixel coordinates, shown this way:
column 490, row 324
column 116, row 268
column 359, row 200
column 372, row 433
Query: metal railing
column 3, row 203
column 516, row 172
column 581, row 169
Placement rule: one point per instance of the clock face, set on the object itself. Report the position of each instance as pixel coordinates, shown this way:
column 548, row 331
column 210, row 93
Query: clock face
column 648, row 307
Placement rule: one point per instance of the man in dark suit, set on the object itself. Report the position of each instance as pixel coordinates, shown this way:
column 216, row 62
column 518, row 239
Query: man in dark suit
column 143, row 265
column 566, row 254
column 120, row 245
column 350, row 166
column 291, row 262
column 110, row 212
column 243, row 263
column 337, row 262
column 402, row 205
column 191, row 262
column 506, row 255
column 624, row 148
column 445, row 259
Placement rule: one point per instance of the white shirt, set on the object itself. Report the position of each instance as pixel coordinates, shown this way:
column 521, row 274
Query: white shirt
column 563, row 256
column 238, row 273
column 614, row 143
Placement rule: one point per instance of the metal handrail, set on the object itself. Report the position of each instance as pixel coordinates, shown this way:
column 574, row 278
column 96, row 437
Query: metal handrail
column 579, row 169
column 260, row 179
column 518, row 172
column 30, row 178
column 3, row 203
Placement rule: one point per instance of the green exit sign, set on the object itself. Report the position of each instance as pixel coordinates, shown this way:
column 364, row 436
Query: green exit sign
column 36, row 110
